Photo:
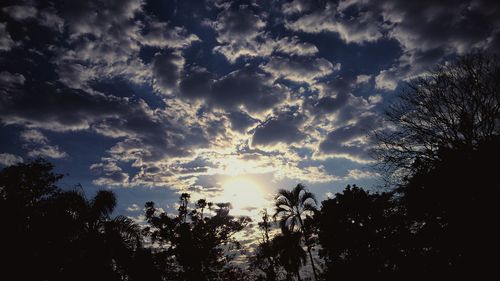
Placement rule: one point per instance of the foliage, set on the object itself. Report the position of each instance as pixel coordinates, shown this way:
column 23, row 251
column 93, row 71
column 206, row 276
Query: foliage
column 455, row 106
column 60, row 235
column 293, row 207
column 197, row 239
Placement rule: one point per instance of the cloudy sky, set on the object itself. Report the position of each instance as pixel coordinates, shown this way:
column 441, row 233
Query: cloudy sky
column 221, row 99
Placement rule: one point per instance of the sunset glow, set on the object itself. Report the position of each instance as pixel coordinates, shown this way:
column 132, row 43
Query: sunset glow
column 244, row 194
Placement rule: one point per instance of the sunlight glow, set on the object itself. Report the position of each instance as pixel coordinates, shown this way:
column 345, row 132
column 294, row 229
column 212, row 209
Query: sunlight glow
column 243, row 193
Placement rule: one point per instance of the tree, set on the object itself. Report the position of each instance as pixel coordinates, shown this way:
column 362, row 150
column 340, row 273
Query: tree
column 265, row 258
column 198, row 242
column 358, row 234
column 446, row 140
column 291, row 255
column 60, row 235
column 24, row 190
column 455, row 106
column 292, row 207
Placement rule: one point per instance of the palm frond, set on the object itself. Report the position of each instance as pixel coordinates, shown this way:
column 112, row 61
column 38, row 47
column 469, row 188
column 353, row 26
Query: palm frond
column 103, row 203
column 306, row 195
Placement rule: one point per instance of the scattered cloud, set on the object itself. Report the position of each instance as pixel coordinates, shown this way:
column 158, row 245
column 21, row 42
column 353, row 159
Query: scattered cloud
column 269, row 88
column 7, row 159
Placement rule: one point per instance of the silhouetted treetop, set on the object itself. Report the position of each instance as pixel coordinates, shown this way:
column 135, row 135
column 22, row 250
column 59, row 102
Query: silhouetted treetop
column 455, row 106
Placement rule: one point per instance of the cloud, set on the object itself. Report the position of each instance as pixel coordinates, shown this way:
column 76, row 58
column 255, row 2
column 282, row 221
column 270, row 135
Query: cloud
column 108, row 43
column 196, row 83
column 240, row 120
column 304, row 70
column 241, row 33
column 237, row 29
column 296, row 6
column 246, row 87
column 133, row 208
column 166, row 71
column 293, row 46
column 252, row 89
column 350, row 141
column 48, row 151
column 282, row 128
column 6, row 42
column 357, row 174
column 110, row 174
column 33, row 136
column 386, row 80
column 162, row 35
column 238, row 23
column 7, row 159
column 363, row 78
column 329, row 18
column 19, row 12
column 40, row 146
column 426, row 30
column 9, row 80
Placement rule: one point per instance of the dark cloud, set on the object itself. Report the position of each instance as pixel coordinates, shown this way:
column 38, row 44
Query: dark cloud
column 6, row 42
column 240, row 120
column 350, row 141
column 282, row 128
column 299, row 69
column 237, row 29
column 149, row 135
column 19, row 12
column 427, row 30
column 247, row 87
column 237, row 23
column 166, row 71
column 9, row 80
column 359, row 27
column 196, row 83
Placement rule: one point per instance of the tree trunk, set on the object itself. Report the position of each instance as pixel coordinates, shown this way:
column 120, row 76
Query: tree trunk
column 308, row 249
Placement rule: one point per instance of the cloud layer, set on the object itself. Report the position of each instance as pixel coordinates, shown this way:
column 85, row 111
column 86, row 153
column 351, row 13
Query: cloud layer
column 280, row 89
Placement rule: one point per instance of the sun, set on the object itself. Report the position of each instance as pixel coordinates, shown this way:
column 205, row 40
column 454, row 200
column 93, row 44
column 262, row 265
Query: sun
column 243, row 193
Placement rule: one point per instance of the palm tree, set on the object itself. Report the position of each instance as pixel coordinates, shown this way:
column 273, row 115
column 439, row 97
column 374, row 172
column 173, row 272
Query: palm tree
column 104, row 245
column 291, row 255
column 291, row 206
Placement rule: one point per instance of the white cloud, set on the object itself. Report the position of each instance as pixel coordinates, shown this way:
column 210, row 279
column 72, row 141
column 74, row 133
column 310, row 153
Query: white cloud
column 39, row 145
column 133, row 208
column 299, row 69
column 386, row 80
column 7, row 159
column 363, row 78
column 329, row 19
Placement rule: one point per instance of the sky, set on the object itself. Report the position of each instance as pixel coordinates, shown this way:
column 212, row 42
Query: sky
column 225, row 100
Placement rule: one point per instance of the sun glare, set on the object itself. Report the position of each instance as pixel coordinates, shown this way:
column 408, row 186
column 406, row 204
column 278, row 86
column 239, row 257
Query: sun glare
column 243, row 193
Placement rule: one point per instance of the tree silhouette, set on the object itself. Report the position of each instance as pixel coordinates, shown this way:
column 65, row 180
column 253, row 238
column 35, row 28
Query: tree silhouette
column 292, row 207
column 197, row 241
column 358, row 234
column 266, row 254
column 59, row 235
column 446, row 141
column 456, row 107
column 291, row 255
